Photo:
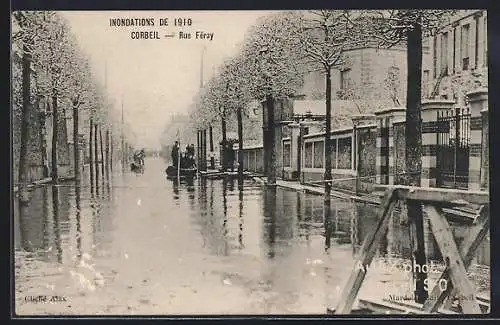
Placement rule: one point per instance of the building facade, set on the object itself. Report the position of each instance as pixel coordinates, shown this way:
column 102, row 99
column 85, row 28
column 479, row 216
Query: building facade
column 371, row 74
column 459, row 56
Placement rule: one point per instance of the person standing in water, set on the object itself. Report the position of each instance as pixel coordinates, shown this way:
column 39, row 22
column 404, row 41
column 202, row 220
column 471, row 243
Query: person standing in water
column 175, row 154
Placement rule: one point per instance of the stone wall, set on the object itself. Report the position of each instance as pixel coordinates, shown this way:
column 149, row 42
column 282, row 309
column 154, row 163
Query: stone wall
column 399, row 152
column 380, row 157
column 367, row 151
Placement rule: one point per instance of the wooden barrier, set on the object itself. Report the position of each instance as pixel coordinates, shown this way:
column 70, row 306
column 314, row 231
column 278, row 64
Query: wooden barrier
column 457, row 260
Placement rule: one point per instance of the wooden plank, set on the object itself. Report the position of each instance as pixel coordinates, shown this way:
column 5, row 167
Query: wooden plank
column 458, row 274
column 468, row 247
column 382, row 307
column 417, row 306
column 444, row 195
column 395, row 307
column 368, row 250
column 366, row 199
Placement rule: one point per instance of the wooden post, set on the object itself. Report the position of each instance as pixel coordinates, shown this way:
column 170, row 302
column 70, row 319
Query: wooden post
column 102, row 151
column 107, row 153
column 224, row 140
column 468, row 248
column 204, row 157
column 270, row 168
column 299, row 153
column 91, row 161
column 367, row 253
column 454, row 262
column 111, row 146
column 179, row 164
column 55, row 133
column 198, row 148
column 96, row 154
column 76, row 142
column 25, row 124
column 240, row 147
column 212, row 158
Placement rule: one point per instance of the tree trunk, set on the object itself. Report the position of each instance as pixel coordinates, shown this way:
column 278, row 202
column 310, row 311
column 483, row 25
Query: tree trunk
column 54, row 139
column 204, row 157
column 107, row 153
column 271, row 170
column 102, row 151
column 111, row 151
column 25, row 125
column 76, row 143
column 413, row 151
column 91, row 160
column 198, row 150
column 328, row 158
column 224, row 140
column 328, row 127
column 96, row 154
column 212, row 158
column 240, row 148
column 123, row 150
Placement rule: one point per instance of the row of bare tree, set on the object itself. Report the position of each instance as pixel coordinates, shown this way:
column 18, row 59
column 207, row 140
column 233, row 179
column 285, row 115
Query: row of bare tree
column 55, row 70
column 281, row 48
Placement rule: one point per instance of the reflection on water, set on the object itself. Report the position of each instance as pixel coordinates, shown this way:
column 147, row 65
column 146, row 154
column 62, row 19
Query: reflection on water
column 282, row 249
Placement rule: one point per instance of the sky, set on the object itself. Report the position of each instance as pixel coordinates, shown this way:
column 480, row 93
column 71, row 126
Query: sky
column 156, row 78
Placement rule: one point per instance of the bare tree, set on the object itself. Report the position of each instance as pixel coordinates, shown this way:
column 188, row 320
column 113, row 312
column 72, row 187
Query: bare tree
column 388, row 28
column 274, row 61
column 325, row 37
column 62, row 74
column 29, row 26
column 52, row 53
column 81, row 89
column 237, row 96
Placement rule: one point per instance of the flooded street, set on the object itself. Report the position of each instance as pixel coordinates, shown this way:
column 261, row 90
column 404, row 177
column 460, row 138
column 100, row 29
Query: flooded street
column 140, row 244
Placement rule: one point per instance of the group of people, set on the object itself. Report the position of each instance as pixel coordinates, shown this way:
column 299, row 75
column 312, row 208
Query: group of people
column 187, row 159
column 139, row 157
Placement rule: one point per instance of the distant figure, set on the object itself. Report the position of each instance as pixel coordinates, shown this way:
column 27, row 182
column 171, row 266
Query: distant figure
column 139, row 157
column 190, row 150
column 190, row 156
column 175, row 153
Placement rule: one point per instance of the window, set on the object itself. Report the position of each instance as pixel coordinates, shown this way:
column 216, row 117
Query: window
column 444, row 53
column 308, row 154
column 426, row 83
column 318, row 154
column 454, row 49
column 464, row 44
column 333, row 143
column 286, row 155
column 476, row 44
column 344, row 153
column 434, row 57
column 344, row 79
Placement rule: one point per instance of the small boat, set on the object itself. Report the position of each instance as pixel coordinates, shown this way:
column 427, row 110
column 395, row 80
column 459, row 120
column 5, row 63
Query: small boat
column 171, row 172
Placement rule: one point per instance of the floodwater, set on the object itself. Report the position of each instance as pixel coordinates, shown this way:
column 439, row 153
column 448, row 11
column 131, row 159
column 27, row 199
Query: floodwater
column 139, row 244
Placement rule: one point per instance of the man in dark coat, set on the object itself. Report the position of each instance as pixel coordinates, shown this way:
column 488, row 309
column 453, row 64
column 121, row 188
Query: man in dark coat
column 175, row 154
